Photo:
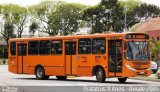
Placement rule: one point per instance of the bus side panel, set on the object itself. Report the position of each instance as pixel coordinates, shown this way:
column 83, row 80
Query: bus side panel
column 30, row 70
column 25, row 64
column 74, row 65
column 12, row 64
column 19, row 64
column 53, row 64
column 100, row 60
column 84, row 65
column 84, row 71
column 58, row 71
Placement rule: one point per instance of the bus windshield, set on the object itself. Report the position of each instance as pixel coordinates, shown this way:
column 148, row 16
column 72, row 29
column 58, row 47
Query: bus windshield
column 137, row 51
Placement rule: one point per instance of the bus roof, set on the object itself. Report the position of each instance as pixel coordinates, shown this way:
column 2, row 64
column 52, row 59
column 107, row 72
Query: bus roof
column 73, row 36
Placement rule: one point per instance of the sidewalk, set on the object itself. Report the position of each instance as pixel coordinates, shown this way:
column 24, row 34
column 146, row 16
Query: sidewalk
column 155, row 79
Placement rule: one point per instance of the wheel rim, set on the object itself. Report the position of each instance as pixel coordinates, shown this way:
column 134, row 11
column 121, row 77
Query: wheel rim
column 39, row 73
column 99, row 74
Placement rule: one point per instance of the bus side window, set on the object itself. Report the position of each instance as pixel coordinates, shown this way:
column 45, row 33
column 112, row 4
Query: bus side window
column 56, row 47
column 98, row 46
column 13, row 48
column 84, row 46
column 44, row 48
column 33, row 47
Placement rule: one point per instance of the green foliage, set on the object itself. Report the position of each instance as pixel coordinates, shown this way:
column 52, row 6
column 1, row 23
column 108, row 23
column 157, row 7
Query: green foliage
column 155, row 50
column 57, row 16
column 3, row 51
column 138, row 10
column 104, row 16
column 14, row 18
column 66, row 18
column 131, row 5
column 33, row 27
column 146, row 10
column 13, row 13
column 41, row 14
column 8, row 31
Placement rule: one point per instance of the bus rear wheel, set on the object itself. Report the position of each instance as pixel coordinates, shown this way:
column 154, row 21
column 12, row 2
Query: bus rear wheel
column 40, row 73
column 122, row 80
column 61, row 77
column 100, row 75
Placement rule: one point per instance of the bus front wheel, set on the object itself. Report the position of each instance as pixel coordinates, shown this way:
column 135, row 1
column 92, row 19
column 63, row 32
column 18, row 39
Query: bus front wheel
column 100, row 75
column 61, row 77
column 40, row 73
column 122, row 80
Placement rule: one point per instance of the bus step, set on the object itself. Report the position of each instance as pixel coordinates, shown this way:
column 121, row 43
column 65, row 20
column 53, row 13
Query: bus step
column 70, row 76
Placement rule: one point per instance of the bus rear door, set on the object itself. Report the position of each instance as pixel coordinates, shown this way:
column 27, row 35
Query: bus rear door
column 115, row 58
column 21, row 61
column 70, row 58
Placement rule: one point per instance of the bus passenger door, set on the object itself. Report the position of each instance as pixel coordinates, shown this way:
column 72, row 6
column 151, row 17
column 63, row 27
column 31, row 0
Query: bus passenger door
column 70, row 58
column 22, row 51
column 115, row 58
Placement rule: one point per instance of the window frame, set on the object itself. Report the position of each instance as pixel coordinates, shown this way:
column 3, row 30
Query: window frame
column 23, row 48
column 85, row 46
column 55, row 48
column 14, row 49
column 33, row 48
column 104, row 46
column 44, row 48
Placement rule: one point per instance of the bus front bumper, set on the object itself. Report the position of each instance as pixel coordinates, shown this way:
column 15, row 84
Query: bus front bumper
column 131, row 72
column 144, row 72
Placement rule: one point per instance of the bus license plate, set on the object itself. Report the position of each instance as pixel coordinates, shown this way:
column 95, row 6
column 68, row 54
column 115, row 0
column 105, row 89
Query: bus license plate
column 141, row 72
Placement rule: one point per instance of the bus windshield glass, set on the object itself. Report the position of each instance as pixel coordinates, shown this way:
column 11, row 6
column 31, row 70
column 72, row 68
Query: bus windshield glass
column 137, row 51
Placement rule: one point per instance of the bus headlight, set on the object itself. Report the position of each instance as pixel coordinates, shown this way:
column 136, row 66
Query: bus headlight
column 130, row 68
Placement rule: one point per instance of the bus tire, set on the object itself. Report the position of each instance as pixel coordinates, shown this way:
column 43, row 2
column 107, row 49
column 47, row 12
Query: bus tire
column 100, row 75
column 122, row 80
column 40, row 73
column 61, row 77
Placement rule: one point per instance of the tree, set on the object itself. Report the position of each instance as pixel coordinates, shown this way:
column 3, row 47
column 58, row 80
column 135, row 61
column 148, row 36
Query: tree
column 65, row 19
column 13, row 21
column 138, row 11
column 129, row 7
column 105, row 16
column 147, row 10
column 32, row 28
column 41, row 14
column 56, row 16
column 155, row 50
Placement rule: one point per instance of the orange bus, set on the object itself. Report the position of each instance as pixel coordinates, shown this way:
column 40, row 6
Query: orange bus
column 120, row 55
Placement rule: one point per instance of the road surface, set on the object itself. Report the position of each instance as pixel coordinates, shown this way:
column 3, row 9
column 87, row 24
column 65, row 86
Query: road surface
column 10, row 79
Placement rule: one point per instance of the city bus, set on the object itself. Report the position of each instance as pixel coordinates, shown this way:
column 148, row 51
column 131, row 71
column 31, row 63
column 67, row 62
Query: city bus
column 112, row 55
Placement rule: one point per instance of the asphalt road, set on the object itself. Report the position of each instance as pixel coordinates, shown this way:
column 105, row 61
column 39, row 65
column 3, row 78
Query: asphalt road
column 30, row 82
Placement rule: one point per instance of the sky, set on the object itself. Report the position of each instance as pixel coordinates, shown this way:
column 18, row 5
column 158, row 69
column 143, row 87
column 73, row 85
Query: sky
column 86, row 2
